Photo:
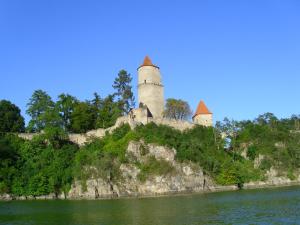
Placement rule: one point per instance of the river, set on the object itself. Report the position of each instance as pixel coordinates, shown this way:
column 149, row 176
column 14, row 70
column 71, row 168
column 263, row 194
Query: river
column 263, row 206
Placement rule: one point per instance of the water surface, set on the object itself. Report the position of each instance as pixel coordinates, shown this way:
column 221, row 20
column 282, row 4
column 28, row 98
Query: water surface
column 268, row 206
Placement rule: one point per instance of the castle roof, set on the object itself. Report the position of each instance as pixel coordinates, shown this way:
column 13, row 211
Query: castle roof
column 202, row 109
column 148, row 62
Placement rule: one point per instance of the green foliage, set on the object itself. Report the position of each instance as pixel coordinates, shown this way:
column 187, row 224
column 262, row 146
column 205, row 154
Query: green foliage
column 290, row 174
column 35, row 167
column 204, row 146
column 10, row 118
column 122, row 85
column 82, row 118
column 177, row 109
column 277, row 140
column 8, row 158
column 265, row 164
column 152, row 167
column 238, row 173
column 40, row 109
column 71, row 114
column 101, row 158
column 252, row 152
column 49, row 163
column 65, row 105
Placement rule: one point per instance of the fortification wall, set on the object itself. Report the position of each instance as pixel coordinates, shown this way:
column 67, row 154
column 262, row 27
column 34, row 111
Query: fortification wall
column 81, row 139
column 204, row 120
column 27, row 136
column 176, row 124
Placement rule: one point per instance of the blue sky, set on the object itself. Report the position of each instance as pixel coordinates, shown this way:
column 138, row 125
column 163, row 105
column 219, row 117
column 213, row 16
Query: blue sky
column 241, row 57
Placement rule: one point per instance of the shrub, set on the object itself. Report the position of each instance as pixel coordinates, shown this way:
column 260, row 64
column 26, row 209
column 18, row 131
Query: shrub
column 154, row 167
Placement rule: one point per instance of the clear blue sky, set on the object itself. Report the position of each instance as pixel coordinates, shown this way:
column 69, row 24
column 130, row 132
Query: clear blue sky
column 241, row 57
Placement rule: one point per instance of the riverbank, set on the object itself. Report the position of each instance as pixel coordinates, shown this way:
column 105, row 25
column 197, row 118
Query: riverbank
column 248, row 186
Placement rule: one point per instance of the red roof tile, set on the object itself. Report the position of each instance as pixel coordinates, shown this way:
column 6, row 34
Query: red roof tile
column 148, row 62
column 202, row 109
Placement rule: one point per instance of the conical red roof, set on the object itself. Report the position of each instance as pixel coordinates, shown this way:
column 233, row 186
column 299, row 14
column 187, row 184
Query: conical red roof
column 148, row 62
column 202, row 109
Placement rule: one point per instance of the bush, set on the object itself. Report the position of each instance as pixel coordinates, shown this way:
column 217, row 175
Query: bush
column 251, row 152
column 154, row 167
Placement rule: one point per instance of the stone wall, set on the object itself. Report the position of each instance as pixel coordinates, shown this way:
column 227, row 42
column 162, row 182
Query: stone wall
column 27, row 136
column 176, row 124
column 141, row 118
column 204, row 120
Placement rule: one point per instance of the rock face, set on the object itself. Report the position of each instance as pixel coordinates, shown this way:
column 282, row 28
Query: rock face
column 273, row 178
column 5, row 197
column 186, row 177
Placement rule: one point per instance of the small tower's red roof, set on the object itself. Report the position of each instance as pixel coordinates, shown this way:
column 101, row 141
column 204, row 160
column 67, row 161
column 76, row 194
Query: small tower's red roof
column 148, row 62
column 202, row 109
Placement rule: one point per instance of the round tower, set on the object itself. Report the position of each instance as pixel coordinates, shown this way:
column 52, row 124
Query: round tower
column 150, row 88
column 203, row 116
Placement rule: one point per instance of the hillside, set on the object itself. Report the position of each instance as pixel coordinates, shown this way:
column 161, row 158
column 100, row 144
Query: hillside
column 152, row 159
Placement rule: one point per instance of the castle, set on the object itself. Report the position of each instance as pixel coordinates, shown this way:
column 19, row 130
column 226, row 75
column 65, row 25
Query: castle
column 151, row 105
column 151, row 97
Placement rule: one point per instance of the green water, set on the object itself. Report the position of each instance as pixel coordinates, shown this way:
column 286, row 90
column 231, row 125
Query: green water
column 269, row 206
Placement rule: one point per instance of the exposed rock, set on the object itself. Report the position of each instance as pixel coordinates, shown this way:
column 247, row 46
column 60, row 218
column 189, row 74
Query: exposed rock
column 258, row 160
column 187, row 177
column 46, row 197
column 140, row 150
column 94, row 189
column 280, row 145
column 5, row 197
column 273, row 179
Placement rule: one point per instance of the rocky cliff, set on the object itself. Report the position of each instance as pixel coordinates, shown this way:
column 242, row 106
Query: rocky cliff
column 179, row 178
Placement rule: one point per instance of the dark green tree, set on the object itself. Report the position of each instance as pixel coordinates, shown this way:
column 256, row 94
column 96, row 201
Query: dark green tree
column 10, row 118
column 108, row 113
column 65, row 105
column 97, row 104
column 122, row 85
column 83, row 118
column 39, row 103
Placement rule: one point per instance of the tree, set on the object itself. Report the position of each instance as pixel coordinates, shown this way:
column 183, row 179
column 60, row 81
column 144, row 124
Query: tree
column 122, row 85
column 65, row 105
column 97, row 104
column 108, row 113
column 266, row 119
column 83, row 118
column 10, row 117
column 229, row 130
column 39, row 103
column 97, row 101
column 295, row 119
column 177, row 109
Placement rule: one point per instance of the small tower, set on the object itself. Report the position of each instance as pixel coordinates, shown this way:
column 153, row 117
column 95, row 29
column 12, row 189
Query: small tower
column 150, row 88
column 203, row 116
